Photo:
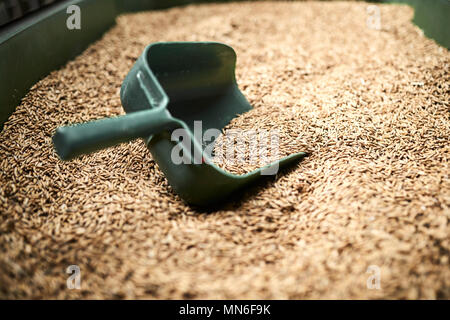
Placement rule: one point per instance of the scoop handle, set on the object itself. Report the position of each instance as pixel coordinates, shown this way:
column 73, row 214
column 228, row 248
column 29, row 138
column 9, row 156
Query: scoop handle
column 75, row 140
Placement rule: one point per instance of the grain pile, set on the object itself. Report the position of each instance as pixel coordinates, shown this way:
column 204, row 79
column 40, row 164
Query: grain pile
column 371, row 107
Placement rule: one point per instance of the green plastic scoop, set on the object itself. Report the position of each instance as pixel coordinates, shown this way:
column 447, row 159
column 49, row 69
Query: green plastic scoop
column 172, row 86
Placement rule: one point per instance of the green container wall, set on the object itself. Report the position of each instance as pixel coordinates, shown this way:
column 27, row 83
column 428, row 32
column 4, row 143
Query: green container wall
column 40, row 42
column 433, row 17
